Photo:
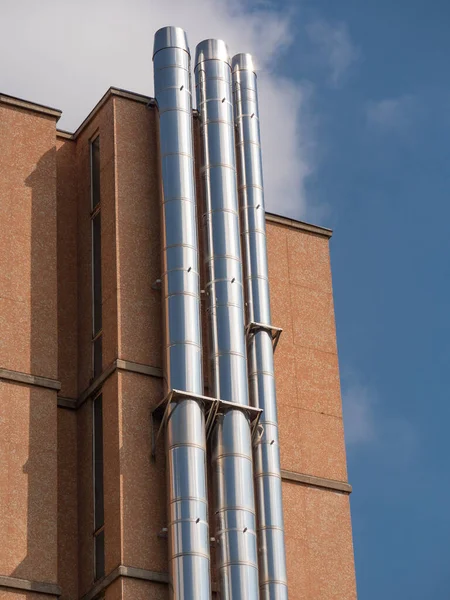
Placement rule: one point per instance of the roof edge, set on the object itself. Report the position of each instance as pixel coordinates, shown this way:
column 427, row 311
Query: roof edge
column 64, row 135
column 301, row 225
column 41, row 109
column 112, row 91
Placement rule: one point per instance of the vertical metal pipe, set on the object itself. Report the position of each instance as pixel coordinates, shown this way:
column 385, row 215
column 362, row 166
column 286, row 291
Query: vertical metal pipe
column 188, row 529
column 272, row 563
column 231, row 438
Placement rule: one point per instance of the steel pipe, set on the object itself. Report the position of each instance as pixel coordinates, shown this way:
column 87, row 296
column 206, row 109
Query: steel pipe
column 187, row 512
column 234, row 504
column 272, row 560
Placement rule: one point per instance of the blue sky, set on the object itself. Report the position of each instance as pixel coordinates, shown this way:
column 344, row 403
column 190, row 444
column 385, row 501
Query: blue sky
column 383, row 136
column 356, row 126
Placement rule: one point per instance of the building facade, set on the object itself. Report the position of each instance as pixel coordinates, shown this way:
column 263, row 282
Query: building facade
column 82, row 469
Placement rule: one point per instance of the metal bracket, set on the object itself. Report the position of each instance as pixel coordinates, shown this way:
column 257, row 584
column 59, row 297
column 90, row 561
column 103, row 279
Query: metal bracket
column 213, row 407
column 275, row 332
column 257, row 435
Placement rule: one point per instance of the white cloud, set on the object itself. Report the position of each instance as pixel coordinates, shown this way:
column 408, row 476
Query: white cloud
column 374, row 425
column 67, row 54
column 359, row 418
column 335, row 48
column 391, row 113
column 288, row 143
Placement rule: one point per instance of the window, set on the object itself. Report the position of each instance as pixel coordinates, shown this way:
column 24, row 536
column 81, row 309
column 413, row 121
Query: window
column 97, row 356
column 96, row 259
column 95, row 172
column 97, row 272
column 99, row 518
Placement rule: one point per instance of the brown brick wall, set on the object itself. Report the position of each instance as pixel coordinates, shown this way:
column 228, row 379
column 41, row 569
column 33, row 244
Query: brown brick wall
column 309, row 402
column 28, row 243
column 138, row 233
column 67, row 219
column 28, row 343
column 67, row 504
column 85, row 496
column 143, row 480
column 319, row 547
column 318, row 529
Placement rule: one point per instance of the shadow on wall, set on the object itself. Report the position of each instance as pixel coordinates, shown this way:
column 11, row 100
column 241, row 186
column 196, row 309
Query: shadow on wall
column 37, row 513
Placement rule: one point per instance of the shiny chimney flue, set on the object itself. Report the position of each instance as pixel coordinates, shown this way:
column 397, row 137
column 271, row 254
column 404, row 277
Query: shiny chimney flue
column 272, row 561
column 187, row 506
column 231, row 446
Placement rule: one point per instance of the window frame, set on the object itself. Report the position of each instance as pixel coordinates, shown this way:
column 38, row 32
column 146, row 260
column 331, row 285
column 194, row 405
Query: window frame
column 98, row 528
column 95, row 211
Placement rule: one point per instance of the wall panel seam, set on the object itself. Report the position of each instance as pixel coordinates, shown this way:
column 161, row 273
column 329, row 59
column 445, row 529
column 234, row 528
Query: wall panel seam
column 39, row 587
column 117, row 365
column 301, row 225
column 29, row 379
column 123, row 571
column 318, row 482
column 130, row 573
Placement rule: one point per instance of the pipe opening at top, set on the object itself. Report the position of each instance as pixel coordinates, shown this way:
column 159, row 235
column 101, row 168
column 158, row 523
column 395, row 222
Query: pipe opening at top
column 243, row 62
column 170, row 37
column 212, row 50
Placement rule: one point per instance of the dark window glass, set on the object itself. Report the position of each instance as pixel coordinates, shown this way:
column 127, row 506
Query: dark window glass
column 97, row 272
column 97, row 356
column 95, row 171
column 98, row 463
column 100, row 554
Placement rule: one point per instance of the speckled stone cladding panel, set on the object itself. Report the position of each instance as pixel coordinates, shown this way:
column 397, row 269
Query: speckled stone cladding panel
column 28, row 344
column 318, row 529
